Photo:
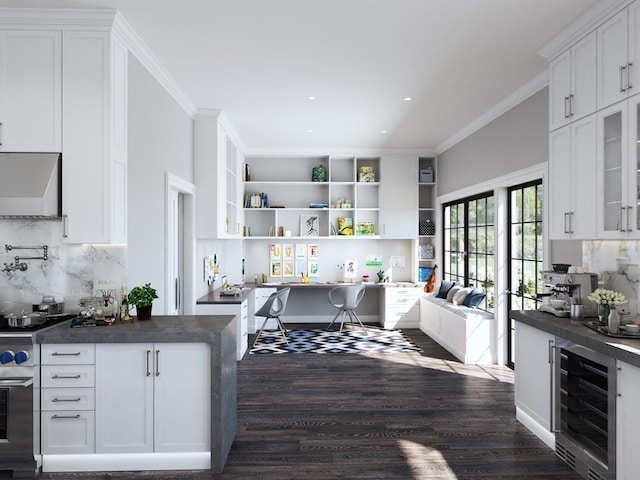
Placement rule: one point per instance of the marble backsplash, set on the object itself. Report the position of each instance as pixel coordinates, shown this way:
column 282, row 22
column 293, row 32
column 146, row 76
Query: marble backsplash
column 69, row 272
column 617, row 264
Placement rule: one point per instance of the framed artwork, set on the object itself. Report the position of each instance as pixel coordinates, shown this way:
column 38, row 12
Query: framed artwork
column 350, row 270
column 301, row 268
column 275, row 251
column 287, row 269
column 276, row 268
column 314, row 268
column 301, row 251
column 287, row 251
column 309, row 225
column 313, row 250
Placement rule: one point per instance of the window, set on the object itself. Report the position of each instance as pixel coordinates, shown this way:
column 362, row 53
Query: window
column 469, row 255
column 525, row 250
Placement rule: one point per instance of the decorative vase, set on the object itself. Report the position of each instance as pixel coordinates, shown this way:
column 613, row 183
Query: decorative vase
column 144, row 313
column 614, row 321
column 603, row 315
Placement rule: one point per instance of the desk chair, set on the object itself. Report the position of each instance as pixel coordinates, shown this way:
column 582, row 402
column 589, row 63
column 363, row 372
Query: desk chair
column 347, row 298
column 273, row 308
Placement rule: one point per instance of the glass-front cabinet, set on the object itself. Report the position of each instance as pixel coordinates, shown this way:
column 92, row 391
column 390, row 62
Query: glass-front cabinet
column 619, row 170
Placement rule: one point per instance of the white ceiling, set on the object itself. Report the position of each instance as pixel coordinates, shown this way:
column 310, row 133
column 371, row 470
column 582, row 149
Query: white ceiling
column 260, row 60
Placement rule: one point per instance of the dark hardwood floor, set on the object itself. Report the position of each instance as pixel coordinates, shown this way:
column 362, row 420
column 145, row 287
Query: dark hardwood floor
column 410, row 416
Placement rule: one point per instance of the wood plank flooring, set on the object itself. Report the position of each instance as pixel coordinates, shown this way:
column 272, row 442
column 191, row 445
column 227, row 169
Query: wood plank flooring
column 409, row 416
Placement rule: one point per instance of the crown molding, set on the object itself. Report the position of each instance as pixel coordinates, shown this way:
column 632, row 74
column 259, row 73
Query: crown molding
column 524, row 92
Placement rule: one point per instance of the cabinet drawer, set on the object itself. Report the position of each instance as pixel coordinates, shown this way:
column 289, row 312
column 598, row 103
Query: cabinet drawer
column 401, row 295
column 67, row 432
column 402, row 313
column 67, row 376
column 67, row 398
column 67, row 354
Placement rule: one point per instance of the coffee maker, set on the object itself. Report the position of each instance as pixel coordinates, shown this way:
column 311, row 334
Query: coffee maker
column 573, row 288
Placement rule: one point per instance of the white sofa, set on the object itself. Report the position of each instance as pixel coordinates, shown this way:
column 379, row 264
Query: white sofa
column 467, row 333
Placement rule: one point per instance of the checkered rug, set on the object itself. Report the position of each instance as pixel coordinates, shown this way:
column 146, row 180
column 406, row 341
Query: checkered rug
column 352, row 340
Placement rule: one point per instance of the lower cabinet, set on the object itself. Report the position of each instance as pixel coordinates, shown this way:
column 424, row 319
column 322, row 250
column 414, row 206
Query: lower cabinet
column 627, row 421
column 241, row 311
column 533, row 389
column 153, row 398
column 400, row 307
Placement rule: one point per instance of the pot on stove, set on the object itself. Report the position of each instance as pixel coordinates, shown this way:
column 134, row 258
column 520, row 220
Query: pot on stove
column 25, row 319
column 49, row 306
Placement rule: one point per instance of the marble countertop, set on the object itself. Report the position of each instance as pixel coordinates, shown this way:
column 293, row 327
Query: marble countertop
column 166, row 329
column 625, row 349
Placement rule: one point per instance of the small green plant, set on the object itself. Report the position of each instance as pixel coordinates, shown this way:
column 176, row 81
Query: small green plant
column 142, row 296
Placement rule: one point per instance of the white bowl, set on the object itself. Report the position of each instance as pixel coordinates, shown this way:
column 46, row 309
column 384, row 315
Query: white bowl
column 632, row 329
column 557, row 304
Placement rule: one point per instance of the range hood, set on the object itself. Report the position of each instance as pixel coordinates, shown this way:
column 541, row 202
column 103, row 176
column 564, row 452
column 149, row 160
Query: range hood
column 30, row 185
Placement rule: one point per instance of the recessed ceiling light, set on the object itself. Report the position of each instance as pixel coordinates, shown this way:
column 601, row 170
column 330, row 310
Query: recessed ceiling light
column 309, row 131
column 311, row 97
column 383, row 131
column 407, row 99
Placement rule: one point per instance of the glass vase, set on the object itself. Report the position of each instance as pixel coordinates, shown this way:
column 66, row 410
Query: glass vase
column 614, row 321
column 603, row 315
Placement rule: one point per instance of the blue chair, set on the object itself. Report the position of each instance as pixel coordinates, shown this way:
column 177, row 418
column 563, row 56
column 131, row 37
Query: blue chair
column 273, row 308
column 347, row 298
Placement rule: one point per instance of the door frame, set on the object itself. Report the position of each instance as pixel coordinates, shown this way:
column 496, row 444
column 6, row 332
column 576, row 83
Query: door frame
column 173, row 183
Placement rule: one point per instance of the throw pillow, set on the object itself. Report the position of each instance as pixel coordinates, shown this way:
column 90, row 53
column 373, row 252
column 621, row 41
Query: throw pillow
column 475, row 298
column 460, row 295
column 452, row 292
column 445, row 286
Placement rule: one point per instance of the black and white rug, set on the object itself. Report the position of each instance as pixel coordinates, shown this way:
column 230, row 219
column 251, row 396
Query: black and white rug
column 351, row 340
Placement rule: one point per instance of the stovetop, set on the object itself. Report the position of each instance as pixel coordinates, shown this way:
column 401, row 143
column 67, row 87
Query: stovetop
column 6, row 330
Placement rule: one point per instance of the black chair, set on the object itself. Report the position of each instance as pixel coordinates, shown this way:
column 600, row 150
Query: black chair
column 273, row 308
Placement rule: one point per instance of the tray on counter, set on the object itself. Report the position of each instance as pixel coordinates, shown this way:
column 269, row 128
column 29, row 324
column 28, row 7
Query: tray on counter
column 593, row 325
column 80, row 322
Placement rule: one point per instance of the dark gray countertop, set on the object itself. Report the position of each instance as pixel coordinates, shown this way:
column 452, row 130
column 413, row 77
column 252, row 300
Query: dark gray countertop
column 625, row 349
column 214, row 297
column 170, row 329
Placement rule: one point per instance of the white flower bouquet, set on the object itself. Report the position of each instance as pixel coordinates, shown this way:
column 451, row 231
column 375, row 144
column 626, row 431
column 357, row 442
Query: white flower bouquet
column 602, row 296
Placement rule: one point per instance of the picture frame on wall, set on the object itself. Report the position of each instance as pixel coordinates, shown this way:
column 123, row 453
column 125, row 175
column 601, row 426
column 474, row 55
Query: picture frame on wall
column 287, row 251
column 309, row 226
column 275, row 251
column 314, row 268
column 301, row 251
column 287, row 269
column 276, row 268
column 301, row 268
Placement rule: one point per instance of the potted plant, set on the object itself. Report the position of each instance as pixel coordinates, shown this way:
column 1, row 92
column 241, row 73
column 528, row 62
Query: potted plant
column 142, row 298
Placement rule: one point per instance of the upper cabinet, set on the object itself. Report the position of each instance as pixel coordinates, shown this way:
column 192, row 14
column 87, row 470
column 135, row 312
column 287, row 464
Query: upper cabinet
column 94, row 138
column 572, row 83
column 30, row 91
column 397, row 201
column 218, row 164
column 618, row 59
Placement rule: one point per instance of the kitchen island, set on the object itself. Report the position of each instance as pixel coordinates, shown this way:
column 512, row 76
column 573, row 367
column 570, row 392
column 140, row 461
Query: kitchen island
column 153, row 394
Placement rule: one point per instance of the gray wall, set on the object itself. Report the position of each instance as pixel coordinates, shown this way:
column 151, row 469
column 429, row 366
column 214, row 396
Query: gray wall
column 160, row 141
column 516, row 140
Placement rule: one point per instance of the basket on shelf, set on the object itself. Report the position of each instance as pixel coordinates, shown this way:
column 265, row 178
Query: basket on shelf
column 426, row 227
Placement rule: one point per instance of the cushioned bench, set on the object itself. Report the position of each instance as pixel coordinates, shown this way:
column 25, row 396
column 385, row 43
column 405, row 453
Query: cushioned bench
column 468, row 333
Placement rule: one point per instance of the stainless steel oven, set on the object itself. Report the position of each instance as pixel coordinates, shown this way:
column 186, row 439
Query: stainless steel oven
column 585, row 410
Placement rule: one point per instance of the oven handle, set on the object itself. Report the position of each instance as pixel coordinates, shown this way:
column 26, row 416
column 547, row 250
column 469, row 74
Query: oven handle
column 16, row 382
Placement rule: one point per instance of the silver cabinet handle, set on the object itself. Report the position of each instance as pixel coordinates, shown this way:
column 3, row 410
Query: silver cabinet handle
column 621, row 227
column 566, row 214
column 65, row 354
column 552, row 348
column 157, row 363
column 629, row 228
column 61, row 377
column 57, row 417
column 629, row 86
column 65, row 219
column 1, row 133
column 66, row 399
column 148, row 370
column 622, row 69
column 570, row 222
column 566, row 107
column 571, row 105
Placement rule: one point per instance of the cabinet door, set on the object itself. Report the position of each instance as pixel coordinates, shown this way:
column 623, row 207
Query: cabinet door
column 582, row 100
column 533, row 374
column 559, row 191
column 124, row 398
column 612, row 161
column 398, row 196
column 30, row 91
column 633, row 169
column 612, row 60
column 559, row 90
column 627, row 421
column 182, row 397
column 583, row 179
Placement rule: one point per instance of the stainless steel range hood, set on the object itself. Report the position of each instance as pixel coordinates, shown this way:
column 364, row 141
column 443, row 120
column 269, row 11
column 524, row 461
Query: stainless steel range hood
column 30, row 185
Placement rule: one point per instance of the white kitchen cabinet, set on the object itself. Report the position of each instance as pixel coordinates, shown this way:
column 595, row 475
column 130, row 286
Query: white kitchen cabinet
column 400, row 307
column 397, row 200
column 533, row 390
column 94, row 137
column 67, row 380
column 218, row 164
column 618, row 135
column 571, row 204
column 572, row 83
column 153, row 398
column 240, row 310
column 258, row 299
column 618, row 74
column 30, row 91
column 627, row 421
